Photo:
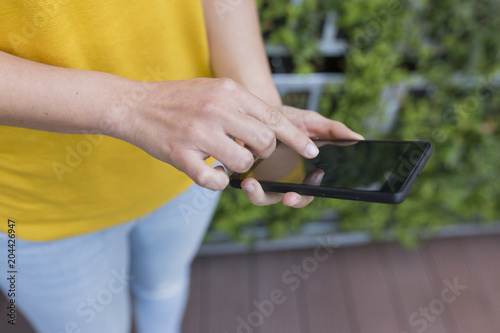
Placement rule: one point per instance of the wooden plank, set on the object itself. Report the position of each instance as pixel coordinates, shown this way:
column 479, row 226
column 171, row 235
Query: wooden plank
column 452, row 273
column 372, row 306
column 274, row 308
column 205, row 295
column 192, row 317
column 229, row 292
column 482, row 255
column 323, row 298
column 412, row 284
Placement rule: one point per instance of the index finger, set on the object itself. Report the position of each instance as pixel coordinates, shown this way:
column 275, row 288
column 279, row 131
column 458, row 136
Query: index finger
column 286, row 132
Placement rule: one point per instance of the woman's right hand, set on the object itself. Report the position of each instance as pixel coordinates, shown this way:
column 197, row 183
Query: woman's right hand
column 184, row 122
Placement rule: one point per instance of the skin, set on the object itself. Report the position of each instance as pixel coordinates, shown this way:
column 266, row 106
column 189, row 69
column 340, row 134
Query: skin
column 178, row 122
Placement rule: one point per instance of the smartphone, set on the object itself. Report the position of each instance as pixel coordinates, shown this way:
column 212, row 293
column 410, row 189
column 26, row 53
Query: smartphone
column 365, row 170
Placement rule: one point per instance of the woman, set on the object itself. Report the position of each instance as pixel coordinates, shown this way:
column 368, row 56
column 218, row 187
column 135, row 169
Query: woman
column 109, row 111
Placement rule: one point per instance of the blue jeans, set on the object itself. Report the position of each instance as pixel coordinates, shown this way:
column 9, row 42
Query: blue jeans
column 93, row 282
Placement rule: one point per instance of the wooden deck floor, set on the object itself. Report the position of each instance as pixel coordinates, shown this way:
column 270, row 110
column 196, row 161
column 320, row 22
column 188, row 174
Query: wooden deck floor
column 448, row 286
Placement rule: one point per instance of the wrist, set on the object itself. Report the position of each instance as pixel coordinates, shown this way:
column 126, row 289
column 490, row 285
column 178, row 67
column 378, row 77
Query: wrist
column 116, row 115
column 264, row 90
column 261, row 86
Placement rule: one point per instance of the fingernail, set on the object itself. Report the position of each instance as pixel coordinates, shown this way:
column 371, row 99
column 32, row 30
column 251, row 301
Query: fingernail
column 248, row 188
column 296, row 202
column 356, row 136
column 318, row 178
column 312, row 150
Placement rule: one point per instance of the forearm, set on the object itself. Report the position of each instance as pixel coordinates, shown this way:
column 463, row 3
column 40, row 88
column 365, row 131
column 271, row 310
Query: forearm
column 237, row 50
column 49, row 98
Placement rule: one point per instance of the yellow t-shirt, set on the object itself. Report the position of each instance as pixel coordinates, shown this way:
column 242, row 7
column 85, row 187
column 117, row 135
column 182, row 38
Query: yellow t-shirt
column 58, row 185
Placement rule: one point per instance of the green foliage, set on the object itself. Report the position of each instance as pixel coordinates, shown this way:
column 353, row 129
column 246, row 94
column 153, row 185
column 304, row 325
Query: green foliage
column 397, row 42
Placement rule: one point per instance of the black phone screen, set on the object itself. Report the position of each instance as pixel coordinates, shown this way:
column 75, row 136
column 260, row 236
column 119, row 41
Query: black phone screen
column 379, row 166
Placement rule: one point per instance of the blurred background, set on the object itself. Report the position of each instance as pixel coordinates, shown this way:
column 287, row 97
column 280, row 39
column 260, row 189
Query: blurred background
column 389, row 69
